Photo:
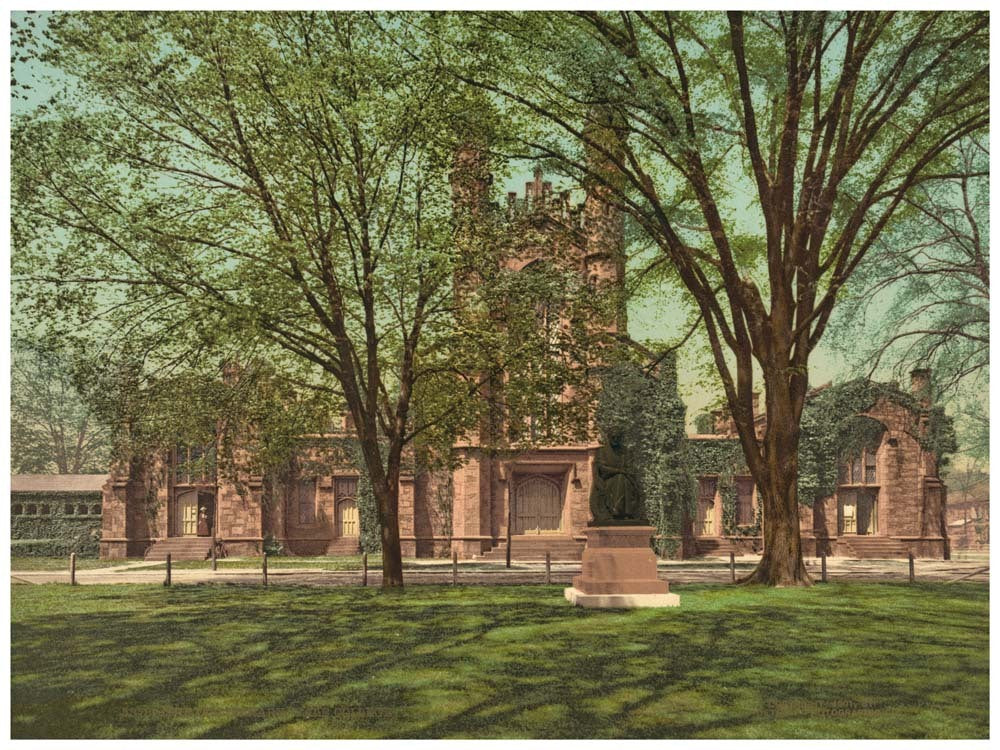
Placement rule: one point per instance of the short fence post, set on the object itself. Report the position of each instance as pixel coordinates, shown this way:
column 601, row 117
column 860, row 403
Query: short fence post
column 454, row 567
column 72, row 569
column 823, row 560
column 548, row 567
column 166, row 582
column 264, row 569
column 214, row 563
column 732, row 566
column 364, row 568
column 911, row 568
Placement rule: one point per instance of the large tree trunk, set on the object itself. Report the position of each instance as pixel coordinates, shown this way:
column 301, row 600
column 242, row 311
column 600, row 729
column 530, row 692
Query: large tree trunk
column 776, row 476
column 781, row 563
column 387, row 498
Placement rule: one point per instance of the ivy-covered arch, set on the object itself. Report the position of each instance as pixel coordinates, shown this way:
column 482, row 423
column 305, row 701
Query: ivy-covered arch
column 838, row 421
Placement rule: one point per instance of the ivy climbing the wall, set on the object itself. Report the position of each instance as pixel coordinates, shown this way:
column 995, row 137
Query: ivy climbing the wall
column 53, row 524
column 649, row 412
column 834, row 430
column 330, row 452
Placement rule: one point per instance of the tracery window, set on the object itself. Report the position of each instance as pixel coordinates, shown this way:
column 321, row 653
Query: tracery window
column 860, row 470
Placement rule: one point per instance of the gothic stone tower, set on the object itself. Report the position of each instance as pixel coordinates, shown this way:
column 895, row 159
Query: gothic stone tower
column 537, row 498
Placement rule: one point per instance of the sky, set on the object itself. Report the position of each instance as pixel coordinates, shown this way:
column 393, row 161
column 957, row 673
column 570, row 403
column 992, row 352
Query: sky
column 657, row 317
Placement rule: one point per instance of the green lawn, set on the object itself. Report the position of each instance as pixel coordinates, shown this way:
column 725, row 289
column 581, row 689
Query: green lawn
column 840, row 660
column 62, row 563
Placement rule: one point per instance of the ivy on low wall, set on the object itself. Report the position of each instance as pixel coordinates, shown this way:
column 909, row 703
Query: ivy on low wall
column 51, row 531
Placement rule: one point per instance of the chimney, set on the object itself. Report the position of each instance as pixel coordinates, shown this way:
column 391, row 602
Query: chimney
column 756, row 403
column 230, row 372
column 723, row 424
column 920, row 385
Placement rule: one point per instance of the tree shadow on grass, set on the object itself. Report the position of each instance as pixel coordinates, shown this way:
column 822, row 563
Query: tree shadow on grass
column 498, row 662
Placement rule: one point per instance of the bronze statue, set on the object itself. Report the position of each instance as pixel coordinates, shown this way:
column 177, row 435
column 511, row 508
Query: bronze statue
column 615, row 498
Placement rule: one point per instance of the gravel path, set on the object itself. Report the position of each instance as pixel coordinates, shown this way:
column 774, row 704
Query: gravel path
column 708, row 570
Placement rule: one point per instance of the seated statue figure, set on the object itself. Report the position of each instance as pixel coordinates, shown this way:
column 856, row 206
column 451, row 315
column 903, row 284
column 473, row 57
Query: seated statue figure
column 615, row 499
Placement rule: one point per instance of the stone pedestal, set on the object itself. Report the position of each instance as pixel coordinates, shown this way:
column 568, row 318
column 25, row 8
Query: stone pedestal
column 619, row 571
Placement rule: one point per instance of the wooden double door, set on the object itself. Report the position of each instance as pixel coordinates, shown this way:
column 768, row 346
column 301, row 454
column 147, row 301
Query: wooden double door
column 187, row 504
column 859, row 512
column 537, row 505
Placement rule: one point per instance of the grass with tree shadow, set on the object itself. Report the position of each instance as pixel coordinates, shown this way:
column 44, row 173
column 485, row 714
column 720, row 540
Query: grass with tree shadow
column 24, row 563
column 840, row 660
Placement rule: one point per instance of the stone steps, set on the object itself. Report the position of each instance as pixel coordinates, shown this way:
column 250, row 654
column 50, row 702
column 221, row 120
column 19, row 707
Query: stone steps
column 714, row 547
column 350, row 545
column 874, row 547
column 534, row 547
column 180, row 548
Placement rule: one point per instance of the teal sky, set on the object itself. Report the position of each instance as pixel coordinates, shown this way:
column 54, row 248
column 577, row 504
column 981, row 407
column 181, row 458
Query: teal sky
column 657, row 317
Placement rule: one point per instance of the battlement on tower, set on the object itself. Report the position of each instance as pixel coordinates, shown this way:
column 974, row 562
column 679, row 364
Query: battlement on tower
column 541, row 201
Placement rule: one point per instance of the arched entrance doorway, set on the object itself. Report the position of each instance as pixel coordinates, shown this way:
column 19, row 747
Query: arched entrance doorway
column 537, row 506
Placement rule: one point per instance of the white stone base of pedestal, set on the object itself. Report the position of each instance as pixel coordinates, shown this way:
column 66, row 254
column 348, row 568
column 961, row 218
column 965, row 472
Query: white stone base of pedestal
column 620, row 601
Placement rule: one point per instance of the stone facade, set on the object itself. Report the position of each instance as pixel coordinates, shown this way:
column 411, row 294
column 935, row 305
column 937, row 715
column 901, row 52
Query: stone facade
column 969, row 512
column 537, row 499
column 889, row 502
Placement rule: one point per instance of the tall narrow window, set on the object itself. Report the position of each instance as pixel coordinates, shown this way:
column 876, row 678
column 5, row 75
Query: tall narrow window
column 706, row 487
column 706, row 506
column 870, row 477
column 856, row 471
column 744, row 501
column 307, row 501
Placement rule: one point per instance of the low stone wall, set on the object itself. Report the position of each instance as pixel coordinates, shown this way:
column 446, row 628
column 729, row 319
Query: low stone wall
column 429, row 546
column 242, row 547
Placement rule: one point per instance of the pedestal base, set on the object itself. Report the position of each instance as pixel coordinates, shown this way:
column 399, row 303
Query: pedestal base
column 619, row 571
column 620, row 601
